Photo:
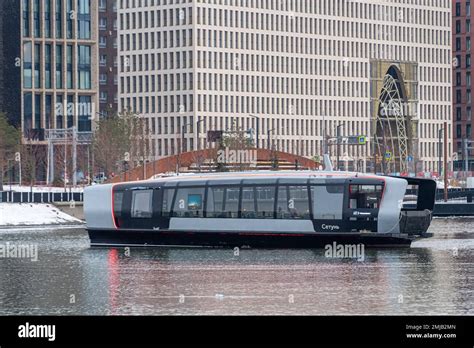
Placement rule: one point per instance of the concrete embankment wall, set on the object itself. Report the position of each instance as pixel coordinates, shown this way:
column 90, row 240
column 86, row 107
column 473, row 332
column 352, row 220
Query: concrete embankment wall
column 76, row 210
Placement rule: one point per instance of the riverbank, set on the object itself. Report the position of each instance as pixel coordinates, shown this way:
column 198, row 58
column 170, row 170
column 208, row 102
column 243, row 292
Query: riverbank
column 34, row 214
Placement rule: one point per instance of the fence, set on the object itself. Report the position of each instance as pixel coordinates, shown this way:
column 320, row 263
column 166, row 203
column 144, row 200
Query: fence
column 40, row 197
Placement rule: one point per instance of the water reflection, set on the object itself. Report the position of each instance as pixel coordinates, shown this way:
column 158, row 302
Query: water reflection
column 432, row 277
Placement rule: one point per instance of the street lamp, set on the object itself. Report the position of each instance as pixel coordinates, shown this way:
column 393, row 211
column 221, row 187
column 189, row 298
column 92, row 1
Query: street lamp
column 338, row 134
column 181, row 144
column 440, row 150
column 268, row 137
column 257, row 127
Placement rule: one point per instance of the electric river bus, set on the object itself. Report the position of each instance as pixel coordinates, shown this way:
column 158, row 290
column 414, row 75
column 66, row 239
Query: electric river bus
column 260, row 209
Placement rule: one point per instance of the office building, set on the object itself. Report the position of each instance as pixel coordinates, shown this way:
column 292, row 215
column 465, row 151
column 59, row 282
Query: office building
column 298, row 69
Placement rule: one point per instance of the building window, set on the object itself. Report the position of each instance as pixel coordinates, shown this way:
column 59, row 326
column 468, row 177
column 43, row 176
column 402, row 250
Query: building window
column 84, row 67
column 102, row 23
column 37, row 124
column 36, row 18
column 59, row 19
column 59, row 66
column 70, row 15
column 48, row 117
column 47, row 18
column 37, row 66
column 47, row 66
column 85, row 113
column 59, row 111
column 102, row 5
column 27, row 65
column 27, row 111
column 84, row 19
column 70, row 111
column 69, row 58
column 26, row 18
column 103, row 41
column 103, row 96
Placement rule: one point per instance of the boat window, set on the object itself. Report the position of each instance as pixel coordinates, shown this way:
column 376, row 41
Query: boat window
column 189, row 202
column 215, row 202
column 248, row 203
column 142, row 204
column 167, row 201
column 118, row 200
column 231, row 202
column 293, row 202
column 365, row 196
column 327, row 201
column 282, row 203
column 265, row 201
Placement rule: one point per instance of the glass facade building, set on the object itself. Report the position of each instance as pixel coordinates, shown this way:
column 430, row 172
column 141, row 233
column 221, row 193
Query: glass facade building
column 59, row 87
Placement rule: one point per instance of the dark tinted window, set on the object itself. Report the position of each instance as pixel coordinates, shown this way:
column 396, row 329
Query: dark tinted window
column 293, row 202
column 365, row 196
column 118, row 200
column 189, row 202
column 142, row 204
column 327, row 202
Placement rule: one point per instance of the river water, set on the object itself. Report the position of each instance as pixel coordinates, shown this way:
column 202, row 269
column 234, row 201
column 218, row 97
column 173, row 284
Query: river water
column 434, row 276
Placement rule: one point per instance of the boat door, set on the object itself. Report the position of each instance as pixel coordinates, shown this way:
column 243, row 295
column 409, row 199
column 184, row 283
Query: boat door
column 141, row 208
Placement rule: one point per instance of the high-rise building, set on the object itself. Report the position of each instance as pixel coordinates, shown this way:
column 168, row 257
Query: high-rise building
column 462, row 83
column 108, row 57
column 299, row 71
column 50, row 76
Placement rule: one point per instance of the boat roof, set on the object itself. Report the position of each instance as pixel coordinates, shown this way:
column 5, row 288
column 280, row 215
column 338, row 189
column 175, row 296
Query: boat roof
column 258, row 175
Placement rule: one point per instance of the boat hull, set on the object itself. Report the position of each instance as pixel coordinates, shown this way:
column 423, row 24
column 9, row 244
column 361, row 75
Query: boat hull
column 105, row 237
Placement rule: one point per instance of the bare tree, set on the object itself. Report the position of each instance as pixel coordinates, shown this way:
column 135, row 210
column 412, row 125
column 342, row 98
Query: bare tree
column 9, row 144
column 121, row 142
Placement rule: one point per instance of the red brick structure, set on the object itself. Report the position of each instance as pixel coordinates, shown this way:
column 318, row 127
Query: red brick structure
column 463, row 12
column 187, row 159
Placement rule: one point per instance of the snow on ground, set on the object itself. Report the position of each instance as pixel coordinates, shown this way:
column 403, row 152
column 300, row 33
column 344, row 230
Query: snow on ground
column 31, row 214
column 24, row 188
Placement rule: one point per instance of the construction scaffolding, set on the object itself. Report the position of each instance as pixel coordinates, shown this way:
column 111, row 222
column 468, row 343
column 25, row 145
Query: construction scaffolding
column 65, row 137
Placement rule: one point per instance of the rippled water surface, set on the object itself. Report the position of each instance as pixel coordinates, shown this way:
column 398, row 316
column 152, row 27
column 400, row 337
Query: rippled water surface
column 434, row 276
